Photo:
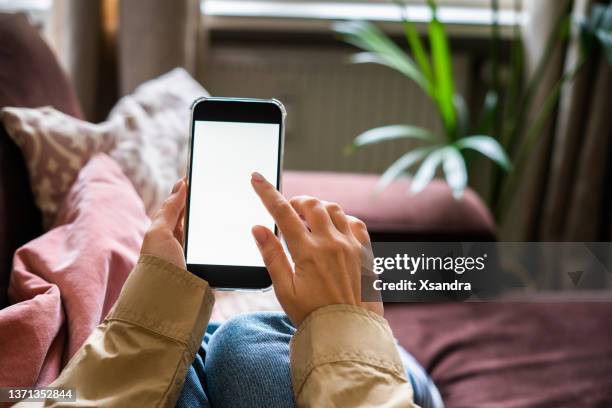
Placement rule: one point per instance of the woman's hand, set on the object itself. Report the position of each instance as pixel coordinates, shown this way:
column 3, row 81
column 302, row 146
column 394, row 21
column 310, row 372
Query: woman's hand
column 328, row 248
column 164, row 239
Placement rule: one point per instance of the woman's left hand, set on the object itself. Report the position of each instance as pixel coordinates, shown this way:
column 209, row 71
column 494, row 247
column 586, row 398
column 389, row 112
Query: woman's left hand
column 165, row 237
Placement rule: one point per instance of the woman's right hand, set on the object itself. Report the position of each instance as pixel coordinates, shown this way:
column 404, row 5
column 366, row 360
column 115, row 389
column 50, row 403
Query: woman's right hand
column 328, row 248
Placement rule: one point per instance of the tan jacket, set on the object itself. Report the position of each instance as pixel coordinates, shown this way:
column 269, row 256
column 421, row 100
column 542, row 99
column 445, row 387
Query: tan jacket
column 341, row 356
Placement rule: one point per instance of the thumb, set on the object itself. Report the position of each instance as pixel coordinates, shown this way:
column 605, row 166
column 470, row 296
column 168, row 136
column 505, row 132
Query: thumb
column 168, row 214
column 276, row 261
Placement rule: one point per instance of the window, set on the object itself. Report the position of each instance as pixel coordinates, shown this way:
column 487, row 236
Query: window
column 25, row 5
column 38, row 10
column 464, row 12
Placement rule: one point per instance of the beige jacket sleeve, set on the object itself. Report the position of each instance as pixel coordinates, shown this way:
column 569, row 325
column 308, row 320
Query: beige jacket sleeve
column 341, row 356
column 139, row 355
column 345, row 356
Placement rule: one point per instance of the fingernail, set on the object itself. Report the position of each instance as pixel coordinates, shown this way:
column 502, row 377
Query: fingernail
column 260, row 235
column 177, row 185
column 255, row 176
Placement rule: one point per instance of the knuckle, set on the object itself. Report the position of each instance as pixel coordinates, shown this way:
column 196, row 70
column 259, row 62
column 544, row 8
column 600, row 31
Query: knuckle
column 310, row 202
column 298, row 199
column 280, row 207
column 356, row 222
column 334, row 207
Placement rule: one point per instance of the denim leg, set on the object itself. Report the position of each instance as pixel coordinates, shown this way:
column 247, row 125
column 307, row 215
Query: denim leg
column 247, row 364
column 194, row 393
column 425, row 392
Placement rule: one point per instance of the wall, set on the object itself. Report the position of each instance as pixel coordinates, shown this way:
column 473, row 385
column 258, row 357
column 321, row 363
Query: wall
column 329, row 101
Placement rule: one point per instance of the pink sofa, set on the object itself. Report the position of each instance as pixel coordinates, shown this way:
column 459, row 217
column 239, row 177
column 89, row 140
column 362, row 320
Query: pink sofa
column 395, row 215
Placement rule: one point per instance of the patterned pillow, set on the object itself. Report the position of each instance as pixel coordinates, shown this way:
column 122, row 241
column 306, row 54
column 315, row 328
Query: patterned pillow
column 146, row 133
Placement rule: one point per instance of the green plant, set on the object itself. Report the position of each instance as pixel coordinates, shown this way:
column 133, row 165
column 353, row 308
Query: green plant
column 433, row 73
column 503, row 124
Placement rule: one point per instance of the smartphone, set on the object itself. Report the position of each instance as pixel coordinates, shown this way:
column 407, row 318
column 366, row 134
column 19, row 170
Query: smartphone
column 230, row 139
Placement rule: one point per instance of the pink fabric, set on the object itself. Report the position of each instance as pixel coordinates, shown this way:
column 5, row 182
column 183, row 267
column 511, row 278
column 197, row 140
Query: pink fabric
column 394, row 210
column 64, row 282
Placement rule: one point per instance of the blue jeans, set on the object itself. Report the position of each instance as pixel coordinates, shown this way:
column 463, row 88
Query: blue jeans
column 245, row 363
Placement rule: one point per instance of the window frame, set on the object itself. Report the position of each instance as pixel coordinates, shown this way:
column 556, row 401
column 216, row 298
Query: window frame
column 464, row 18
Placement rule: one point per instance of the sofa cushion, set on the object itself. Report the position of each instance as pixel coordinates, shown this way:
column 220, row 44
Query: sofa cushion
column 29, row 76
column 394, row 214
column 549, row 352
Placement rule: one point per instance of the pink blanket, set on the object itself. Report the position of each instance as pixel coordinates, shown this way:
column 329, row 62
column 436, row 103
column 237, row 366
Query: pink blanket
column 64, row 282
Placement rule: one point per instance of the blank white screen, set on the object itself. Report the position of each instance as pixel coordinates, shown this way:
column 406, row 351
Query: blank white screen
column 223, row 206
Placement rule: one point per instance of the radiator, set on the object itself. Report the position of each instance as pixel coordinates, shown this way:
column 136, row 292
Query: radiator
column 328, row 100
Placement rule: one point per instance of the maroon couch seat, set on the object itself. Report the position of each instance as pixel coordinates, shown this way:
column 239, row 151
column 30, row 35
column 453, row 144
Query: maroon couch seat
column 545, row 353
column 395, row 214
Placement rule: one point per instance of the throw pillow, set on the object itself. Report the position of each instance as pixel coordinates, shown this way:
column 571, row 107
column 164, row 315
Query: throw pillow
column 146, row 133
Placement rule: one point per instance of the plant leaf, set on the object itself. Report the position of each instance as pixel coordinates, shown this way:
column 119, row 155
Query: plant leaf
column 406, row 69
column 416, row 45
column 443, row 71
column 463, row 114
column 427, row 171
column 455, row 171
column 489, row 109
column 488, row 147
column 401, row 165
column 382, row 50
column 392, row 132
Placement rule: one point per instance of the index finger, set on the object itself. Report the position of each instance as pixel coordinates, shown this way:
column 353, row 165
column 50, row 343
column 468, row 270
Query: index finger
column 284, row 215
